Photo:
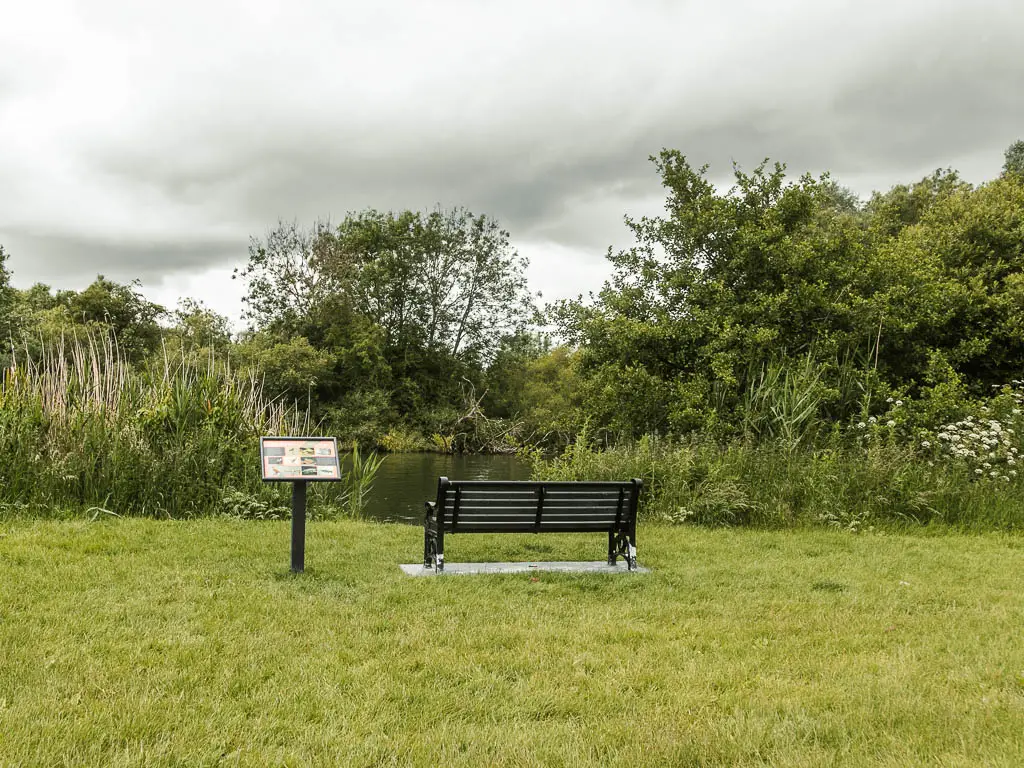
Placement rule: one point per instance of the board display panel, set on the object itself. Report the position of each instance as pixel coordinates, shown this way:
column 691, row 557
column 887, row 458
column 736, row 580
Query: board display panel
column 289, row 459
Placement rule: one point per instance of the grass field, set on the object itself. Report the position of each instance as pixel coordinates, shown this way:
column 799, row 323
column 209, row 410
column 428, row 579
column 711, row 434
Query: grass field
column 136, row 642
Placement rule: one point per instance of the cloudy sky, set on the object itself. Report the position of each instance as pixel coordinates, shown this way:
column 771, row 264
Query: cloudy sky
column 144, row 140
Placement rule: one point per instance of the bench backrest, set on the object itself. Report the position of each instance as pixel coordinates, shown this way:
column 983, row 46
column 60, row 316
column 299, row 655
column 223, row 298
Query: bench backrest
column 480, row 506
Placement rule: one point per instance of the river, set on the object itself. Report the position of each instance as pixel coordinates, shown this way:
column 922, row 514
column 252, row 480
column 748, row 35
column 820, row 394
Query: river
column 406, row 480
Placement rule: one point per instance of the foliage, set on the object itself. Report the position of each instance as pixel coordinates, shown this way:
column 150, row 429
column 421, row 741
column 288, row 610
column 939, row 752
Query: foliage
column 399, row 309
column 7, row 329
column 1014, row 159
column 357, row 481
column 92, row 431
column 727, row 298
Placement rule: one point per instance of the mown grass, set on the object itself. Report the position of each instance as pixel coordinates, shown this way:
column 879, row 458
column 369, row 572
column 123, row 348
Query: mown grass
column 141, row 642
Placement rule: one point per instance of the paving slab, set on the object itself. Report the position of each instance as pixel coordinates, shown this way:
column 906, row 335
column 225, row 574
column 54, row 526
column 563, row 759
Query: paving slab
column 462, row 569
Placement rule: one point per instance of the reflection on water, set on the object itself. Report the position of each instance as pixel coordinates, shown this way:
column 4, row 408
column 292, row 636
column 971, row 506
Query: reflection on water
column 406, row 480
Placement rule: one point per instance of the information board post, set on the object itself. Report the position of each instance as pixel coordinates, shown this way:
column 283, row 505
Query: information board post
column 298, row 526
column 299, row 461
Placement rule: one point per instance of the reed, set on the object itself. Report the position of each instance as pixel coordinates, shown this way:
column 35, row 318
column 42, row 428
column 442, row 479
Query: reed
column 81, row 428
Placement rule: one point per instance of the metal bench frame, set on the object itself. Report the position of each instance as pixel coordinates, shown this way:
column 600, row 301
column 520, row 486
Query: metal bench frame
column 516, row 506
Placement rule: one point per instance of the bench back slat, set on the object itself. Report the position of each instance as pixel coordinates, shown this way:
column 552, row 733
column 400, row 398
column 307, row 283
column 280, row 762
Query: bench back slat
column 533, row 506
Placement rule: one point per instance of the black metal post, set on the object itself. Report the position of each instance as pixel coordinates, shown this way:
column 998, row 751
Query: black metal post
column 298, row 526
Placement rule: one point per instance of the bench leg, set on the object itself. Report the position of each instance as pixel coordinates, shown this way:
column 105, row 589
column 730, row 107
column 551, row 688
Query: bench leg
column 428, row 548
column 622, row 544
column 439, row 551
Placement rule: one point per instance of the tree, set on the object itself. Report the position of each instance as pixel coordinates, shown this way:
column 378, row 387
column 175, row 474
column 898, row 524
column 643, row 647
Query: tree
column 196, row 325
column 921, row 277
column 447, row 282
column 285, row 284
column 408, row 303
column 1014, row 164
column 120, row 309
column 7, row 323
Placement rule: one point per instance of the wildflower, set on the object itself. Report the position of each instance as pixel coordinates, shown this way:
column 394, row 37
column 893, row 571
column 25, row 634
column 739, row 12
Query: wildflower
column 993, row 473
column 1013, row 473
column 888, row 400
column 924, row 443
column 1004, row 477
column 861, row 425
column 1015, row 411
column 872, row 420
column 1013, row 450
column 899, row 403
column 979, row 472
column 1011, row 462
column 986, row 465
column 943, row 436
column 890, row 423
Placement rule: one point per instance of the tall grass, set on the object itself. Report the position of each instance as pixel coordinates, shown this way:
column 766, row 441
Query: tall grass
column 80, row 428
column 771, row 484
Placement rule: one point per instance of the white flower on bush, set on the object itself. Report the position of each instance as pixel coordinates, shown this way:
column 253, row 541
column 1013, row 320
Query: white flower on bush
column 1015, row 411
column 986, row 465
column 979, row 472
column 993, row 473
column 1013, row 473
column 890, row 423
column 861, row 425
column 924, row 443
column 1004, row 477
column 1011, row 462
column 872, row 420
column 899, row 403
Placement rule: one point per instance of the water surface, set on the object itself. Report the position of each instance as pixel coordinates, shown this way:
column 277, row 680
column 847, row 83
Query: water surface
column 406, row 480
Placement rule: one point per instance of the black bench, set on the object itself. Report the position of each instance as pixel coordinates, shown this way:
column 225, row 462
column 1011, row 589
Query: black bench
column 487, row 506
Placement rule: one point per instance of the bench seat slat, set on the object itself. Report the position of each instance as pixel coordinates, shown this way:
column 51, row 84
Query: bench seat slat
column 531, row 486
column 604, row 518
column 525, row 528
column 481, row 507
column 505, row 501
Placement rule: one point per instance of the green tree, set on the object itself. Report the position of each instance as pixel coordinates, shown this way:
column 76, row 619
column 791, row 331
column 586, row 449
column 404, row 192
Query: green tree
column 196, row 325
column 7, row 319
column 925, row 277
column 447, row 282
column 1014, row 159
column 120, row 309
column 412, row 304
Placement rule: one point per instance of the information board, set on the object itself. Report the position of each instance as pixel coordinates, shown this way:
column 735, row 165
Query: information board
column 300, row 458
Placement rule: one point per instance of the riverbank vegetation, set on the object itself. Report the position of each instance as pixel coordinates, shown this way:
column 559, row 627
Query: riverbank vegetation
column 127, row 642
column 777, row 352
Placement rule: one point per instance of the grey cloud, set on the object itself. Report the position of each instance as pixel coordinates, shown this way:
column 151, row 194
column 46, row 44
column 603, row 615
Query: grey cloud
column 557, row 151
column 54, row 258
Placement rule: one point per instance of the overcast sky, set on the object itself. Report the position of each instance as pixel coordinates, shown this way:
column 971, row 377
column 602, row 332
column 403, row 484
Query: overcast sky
column 151, row 140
